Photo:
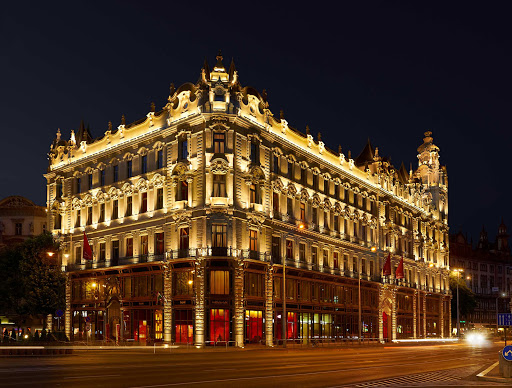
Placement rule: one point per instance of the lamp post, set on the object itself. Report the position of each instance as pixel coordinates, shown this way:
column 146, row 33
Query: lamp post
column 502, row 295
column 458, row 271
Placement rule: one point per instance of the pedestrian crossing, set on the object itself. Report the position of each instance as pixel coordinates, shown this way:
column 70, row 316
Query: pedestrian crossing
column 420, row 379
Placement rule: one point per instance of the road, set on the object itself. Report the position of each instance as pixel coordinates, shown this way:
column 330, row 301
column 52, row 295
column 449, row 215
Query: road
column 432, row 365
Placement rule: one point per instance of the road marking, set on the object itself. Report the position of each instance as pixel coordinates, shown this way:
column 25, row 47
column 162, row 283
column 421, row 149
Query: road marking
column 89, row 377
column 482, row 374
column 271, row 376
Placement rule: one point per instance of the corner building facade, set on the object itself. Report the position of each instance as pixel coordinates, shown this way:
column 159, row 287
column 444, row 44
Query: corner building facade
column 194, row 211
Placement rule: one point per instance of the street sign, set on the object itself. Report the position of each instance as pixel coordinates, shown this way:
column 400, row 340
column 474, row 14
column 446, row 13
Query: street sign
column 87, row 319
column 507, row 353
column 504, row 319
column 59, row 313
column 495, row 289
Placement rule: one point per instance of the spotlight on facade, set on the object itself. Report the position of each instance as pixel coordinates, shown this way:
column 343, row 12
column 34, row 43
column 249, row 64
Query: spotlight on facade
column 373, row 248
column 50, row 254
column 301, row 226
column 190, row 282
column 94, row 285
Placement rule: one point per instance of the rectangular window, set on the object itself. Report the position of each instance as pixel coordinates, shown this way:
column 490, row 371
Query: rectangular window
column 129, row 247
column 102, row 178
column 290, row 169
column 219, row 142
column 101, row 217
column 275, row 204
column 335, row 258
column 314, row 255
column 59, row 188
column 253, row 240
column 159, row 243
column 289, row 249
column 326, row 258
column 289, row 207
column 255, row 157
column 275, row 164
column 254, row 193
column 219, row 325
column 78, row 255
column 77, row 219
column 115, row 249
column 302, row 252
column 159, row 199
column 102, row 252
column 115, row 173
column 160, row 159
column 18, row 228
column 144, row 202
column 129, row 170
column 315, row 215
column 326, row 187
column 115, row 209
column 337, row 191
column 128, row 212
column 183, row 149
column 219, row 236
column 315, row 181
column 302, row 211
column 89, row 180
column 303, row 176
column 354, row 265
column 144, row 164
column 144, row 245
column 89, row 215
column 78, row 185
column 276, row 249
column 219, row 185
column 326, row 219
column 219, row 282
column 184, row 239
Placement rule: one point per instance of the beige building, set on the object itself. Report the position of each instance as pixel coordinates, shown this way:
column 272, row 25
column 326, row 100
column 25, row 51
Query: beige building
column 194, row 211
column 20, row 218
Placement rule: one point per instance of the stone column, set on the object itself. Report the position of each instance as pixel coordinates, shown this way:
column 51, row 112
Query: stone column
column 441, row 316
column 450, row 316
column 269, row 292
column 393, row 315
column 239, row 303
column 424, row 312
column 67, row 313
column 167, row 303
column 199, row 310
column 415, row 315
column 381, row 311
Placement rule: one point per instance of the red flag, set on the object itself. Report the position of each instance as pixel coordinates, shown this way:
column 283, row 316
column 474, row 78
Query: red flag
column 87, row 249
column 399, row 274
column 386, row 270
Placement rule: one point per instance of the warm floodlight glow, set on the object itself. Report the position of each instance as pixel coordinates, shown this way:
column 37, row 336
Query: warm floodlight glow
column 50, row 254
column 373, row 249
column 94, row 285
column 190, row 281
column 301, row 226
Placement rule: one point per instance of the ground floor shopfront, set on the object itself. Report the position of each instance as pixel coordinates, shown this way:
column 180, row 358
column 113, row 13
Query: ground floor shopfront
column 240, row 302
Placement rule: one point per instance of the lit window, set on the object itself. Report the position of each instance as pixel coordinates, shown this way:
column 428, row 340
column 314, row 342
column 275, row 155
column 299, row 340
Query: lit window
column 129, row 246
column 115, row 209
column 144, row 202
column 182, row 191
column 159, row 198
column 219, row 282
column 253, row 240
column 18, row 228
column 128, row 206
column 219, row 185
column 289, row 249
column 219, row 142
column 102, row 213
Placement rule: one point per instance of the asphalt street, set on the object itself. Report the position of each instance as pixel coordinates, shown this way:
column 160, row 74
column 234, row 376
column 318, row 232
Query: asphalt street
column 430, row 365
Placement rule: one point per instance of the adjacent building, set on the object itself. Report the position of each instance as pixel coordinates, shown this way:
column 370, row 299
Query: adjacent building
column 20, row 218
column 212, row 220
column 487, row 270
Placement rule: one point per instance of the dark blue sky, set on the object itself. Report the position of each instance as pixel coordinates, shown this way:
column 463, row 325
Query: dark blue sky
column 383, row 70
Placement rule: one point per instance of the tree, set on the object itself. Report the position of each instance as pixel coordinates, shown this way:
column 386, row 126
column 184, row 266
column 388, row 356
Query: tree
column 467, row 301
column 32, row 284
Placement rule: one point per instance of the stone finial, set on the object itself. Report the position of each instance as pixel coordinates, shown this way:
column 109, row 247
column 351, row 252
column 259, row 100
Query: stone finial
column 123, row 120
column 152, row 107
column 319, row 136
column 339, row 149
column 171, row 89
column 58, row 134
column 308, row 131
column 281, row 113
column 264, row 94
column 349, row 154
column 110, row 125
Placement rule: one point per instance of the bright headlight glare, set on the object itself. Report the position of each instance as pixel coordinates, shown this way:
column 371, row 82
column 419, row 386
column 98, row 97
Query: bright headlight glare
column 475, row 339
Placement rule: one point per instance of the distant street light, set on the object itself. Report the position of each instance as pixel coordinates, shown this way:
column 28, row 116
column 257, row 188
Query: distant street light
column 458, row 271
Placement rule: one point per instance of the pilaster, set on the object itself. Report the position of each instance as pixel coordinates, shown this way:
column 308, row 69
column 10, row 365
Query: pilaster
column 269, row 291
column 167, row 303
column 67, row 313
column 441, row 316
column 239, row 303
column 415, row 315
column 199, row 312
column 424, row 313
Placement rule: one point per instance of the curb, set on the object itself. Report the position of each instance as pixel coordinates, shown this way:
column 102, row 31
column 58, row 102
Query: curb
column 483, row 375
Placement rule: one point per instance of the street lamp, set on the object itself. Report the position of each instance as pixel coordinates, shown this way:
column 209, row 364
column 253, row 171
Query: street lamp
column 502, row 295
column 458, row 271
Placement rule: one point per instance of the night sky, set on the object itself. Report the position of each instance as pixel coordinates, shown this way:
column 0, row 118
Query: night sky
column 381, row 70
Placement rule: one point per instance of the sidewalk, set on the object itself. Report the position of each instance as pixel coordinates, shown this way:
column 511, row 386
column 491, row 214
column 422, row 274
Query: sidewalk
column 492, row 374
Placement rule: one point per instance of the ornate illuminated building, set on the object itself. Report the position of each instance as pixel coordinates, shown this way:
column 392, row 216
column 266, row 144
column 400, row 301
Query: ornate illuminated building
column 194, row 210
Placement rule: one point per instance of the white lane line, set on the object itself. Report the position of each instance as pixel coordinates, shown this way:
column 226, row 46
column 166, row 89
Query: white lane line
column 89, row 377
